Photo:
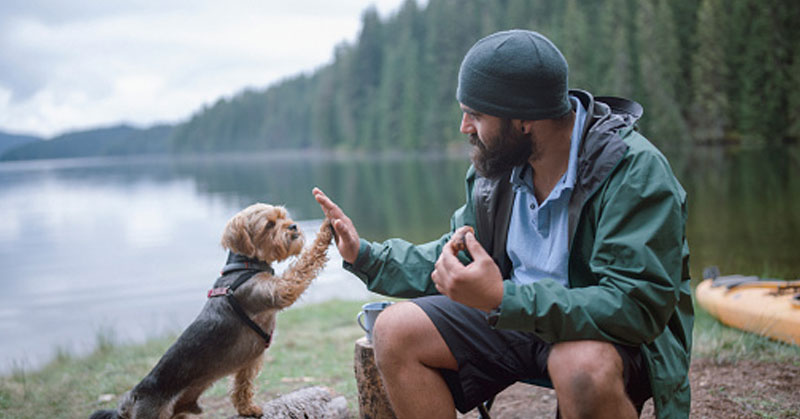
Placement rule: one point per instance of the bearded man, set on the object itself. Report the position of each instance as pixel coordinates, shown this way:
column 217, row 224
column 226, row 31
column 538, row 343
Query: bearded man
column 577, row 273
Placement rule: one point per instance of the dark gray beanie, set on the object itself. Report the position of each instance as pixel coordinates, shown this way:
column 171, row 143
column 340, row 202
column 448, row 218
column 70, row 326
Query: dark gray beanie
column 515, row 74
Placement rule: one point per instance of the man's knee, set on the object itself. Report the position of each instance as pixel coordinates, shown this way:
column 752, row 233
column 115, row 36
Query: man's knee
column 395, row 326
column 404, row 333
column 586, row 367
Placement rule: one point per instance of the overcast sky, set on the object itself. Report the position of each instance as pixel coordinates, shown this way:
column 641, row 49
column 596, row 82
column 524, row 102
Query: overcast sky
column 76, row 64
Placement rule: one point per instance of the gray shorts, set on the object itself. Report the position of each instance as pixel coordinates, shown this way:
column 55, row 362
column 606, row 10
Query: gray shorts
column 489, row 360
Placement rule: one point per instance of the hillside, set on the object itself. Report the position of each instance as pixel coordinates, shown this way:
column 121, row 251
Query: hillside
column 9, row 141
column 118, row 140
column 705, row 71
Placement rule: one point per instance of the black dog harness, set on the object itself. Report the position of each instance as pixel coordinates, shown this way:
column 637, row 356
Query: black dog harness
column 248, row 268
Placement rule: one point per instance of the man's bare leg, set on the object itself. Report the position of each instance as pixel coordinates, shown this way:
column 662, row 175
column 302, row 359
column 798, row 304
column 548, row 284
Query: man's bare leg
column 588, row 379
column 409, row 351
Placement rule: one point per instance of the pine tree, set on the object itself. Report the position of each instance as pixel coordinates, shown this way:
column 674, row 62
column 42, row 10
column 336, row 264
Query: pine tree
column 789, row 19
column 793, row 110
column 710, row 103
column 659, row 70
column 685, row 15
column 762, row 74
column 575, row 45
column 614, row 61
column 366, row 73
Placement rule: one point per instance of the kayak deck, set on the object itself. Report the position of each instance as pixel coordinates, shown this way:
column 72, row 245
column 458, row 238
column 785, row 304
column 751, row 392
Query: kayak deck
column 768, row 308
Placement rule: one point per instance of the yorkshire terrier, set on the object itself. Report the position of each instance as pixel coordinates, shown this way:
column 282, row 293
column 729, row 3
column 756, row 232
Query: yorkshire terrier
column 234, row 328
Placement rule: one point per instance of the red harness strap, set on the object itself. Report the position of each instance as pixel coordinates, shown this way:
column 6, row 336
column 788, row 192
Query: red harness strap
column 218, row 292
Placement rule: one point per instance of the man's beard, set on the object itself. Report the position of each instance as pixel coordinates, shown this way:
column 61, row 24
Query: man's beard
column 509, row 149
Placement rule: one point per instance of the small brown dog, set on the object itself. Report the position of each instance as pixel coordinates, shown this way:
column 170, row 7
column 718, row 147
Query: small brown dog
column 230, row 335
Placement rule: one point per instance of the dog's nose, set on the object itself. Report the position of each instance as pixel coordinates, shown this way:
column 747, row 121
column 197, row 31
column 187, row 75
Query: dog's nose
column 293, row 227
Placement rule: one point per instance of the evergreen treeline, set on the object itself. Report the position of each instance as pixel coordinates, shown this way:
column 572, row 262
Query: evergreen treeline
column 11, row 141
column 705, row 70
column 120, row 140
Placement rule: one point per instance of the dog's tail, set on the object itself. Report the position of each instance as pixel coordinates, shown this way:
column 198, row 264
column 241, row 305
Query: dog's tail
column 105, row 414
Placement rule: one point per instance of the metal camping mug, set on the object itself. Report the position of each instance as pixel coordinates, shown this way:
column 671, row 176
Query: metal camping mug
column 370, row 311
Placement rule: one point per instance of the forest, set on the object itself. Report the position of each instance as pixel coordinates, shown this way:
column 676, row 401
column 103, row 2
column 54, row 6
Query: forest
column 706, row 71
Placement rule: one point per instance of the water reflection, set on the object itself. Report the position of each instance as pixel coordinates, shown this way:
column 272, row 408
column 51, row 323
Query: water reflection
column 132, row 245
column 386, row 196
column 744, row 210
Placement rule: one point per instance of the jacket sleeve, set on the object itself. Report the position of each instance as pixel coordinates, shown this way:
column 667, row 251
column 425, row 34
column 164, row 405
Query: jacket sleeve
column 399, row 268
column 635, row 264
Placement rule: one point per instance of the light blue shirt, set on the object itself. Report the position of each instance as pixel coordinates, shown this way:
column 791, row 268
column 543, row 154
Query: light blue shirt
column 537, row 233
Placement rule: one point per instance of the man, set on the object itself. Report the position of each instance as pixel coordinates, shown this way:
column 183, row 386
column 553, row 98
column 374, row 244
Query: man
column 577, row 274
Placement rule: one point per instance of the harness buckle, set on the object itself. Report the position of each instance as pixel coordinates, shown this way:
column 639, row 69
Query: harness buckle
column 218, row 292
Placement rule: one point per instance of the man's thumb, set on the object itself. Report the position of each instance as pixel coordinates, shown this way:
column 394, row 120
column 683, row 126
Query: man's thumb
column 341, row 230
column 473, row 245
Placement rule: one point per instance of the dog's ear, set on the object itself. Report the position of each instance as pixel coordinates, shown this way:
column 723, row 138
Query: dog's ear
column 237, row 238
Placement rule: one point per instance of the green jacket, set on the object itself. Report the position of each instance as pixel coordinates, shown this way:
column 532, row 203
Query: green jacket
column 628, row 261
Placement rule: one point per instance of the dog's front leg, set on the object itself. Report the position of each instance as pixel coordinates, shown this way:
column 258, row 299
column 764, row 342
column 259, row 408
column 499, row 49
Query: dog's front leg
column 300, row 274
column 244, row 389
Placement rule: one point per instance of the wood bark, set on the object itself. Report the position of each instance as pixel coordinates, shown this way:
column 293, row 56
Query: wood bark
column 373, row 402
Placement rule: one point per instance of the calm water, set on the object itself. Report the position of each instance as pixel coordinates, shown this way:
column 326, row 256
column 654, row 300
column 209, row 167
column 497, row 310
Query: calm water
column 130, row 247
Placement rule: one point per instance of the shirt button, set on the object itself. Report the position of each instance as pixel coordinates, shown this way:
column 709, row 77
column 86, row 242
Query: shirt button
column 533, row 206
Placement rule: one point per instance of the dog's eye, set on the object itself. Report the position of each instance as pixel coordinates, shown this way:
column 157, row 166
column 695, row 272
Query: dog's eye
column 270, row 224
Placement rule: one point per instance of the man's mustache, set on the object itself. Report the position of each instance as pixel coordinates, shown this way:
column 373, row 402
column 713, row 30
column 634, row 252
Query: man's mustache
column 475, row 141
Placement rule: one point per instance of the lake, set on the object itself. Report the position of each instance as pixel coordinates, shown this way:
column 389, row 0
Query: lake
column 127, row 248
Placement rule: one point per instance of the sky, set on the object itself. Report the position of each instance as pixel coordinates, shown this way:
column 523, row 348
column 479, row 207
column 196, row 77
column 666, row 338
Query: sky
column 69, row 65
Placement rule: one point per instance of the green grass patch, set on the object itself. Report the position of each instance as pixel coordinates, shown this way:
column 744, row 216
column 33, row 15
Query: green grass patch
column 313, row 345
column 717, row 341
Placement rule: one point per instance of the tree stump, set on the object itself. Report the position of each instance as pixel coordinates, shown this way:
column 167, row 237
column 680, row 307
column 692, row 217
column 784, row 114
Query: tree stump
column 373, row 403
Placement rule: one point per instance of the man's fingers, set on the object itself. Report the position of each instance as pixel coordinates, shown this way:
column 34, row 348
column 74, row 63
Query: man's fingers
column 448, row 262
column 329, row 207
column 450, row 247
column 474, row 246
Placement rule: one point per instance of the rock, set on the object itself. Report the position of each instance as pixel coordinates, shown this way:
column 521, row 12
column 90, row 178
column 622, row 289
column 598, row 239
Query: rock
column 310, row 402
column 104, row 398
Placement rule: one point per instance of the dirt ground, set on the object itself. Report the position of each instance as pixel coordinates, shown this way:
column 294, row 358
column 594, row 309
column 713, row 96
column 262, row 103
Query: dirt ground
column 744, row 390
column 747, row 389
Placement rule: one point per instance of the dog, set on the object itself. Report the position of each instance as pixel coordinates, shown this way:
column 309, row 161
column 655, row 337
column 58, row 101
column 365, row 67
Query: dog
column 232, row 332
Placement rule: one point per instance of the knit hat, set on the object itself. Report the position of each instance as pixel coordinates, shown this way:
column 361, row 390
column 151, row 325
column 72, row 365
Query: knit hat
column 515, row 74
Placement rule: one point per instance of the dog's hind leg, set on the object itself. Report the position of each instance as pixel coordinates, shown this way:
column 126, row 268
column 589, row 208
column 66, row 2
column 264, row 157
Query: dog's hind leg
column 187, row 402
column 300, row 274
column 244, row 388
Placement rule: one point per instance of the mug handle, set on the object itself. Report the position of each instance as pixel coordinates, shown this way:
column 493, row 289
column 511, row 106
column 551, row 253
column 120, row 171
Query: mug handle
column 358, row 320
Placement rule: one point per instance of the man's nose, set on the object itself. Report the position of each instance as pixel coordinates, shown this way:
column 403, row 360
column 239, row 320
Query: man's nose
column 466, row 124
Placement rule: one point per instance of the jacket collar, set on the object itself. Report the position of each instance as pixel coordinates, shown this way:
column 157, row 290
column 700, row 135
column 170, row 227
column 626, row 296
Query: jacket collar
column 602, row 148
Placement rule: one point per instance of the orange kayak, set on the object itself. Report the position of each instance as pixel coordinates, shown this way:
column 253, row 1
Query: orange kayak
column 768, row 308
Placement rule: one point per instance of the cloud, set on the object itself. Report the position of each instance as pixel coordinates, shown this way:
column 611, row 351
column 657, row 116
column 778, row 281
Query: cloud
column 72, row 65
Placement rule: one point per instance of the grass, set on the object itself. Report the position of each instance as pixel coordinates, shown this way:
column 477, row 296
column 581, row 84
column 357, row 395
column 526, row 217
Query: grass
column 721, row 343
column 313, row 346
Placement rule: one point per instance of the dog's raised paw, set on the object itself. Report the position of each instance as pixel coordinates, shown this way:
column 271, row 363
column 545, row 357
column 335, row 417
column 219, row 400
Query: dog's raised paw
column 326, row 231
